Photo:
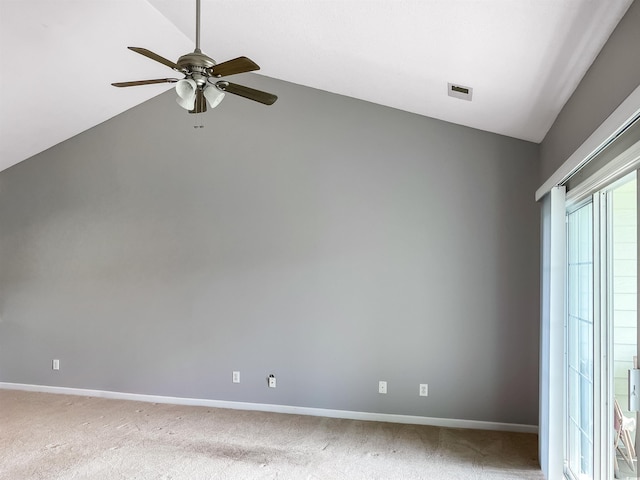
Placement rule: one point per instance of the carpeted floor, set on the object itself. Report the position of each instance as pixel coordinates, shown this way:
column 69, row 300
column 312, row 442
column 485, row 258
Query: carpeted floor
column 46, row 436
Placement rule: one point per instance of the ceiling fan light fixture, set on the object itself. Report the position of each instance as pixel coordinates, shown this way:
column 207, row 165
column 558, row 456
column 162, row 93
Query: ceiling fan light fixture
column 213, row 95
column 186, row 90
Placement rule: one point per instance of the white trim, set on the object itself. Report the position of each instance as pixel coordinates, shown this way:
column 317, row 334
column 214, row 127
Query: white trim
column 617, row 168
column 263, row 407
column 552, row 309
column 617, row 122
column 558, row 296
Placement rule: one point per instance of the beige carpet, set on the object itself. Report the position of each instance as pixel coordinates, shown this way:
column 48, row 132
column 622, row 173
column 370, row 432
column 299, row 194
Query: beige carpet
column 46, row 436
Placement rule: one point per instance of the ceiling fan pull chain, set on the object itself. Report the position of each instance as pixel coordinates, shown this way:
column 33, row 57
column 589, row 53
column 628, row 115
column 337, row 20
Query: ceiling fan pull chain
column 198, row 121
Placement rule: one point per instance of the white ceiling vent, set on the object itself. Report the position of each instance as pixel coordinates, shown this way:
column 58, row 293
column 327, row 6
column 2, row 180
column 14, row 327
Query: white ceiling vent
column 460, row 91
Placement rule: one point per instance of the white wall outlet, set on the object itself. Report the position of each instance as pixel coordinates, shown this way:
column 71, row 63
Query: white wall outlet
column 382, row 387
column 55, row 364
column 272, row 381
column 424, row 390
column 235, row 377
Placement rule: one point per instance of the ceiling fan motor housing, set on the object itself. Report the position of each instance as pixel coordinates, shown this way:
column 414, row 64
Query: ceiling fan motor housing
column 196, row 62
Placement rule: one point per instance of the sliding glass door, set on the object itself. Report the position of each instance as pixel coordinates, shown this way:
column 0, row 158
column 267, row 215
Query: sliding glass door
column 601, row 330
column 580, row 343
column 622, row 316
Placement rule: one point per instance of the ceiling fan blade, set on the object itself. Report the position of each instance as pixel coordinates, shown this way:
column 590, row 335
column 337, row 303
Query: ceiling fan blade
column 155, row 56
column 246, row 92
column 237, row 65
column 144, row 82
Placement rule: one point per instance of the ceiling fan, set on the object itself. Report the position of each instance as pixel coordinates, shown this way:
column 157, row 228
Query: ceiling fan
column 201, row 73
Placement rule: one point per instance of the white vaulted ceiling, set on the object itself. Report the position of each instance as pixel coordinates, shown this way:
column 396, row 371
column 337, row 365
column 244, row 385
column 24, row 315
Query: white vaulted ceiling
column 523, row 58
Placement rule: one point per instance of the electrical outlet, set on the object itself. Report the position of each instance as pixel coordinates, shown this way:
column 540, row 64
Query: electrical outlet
column 382, row 387
column 272, row 381
column 55, row 364
column 235, row 378
column 424, row 390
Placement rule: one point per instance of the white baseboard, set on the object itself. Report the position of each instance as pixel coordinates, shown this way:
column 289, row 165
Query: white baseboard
column 263, row 407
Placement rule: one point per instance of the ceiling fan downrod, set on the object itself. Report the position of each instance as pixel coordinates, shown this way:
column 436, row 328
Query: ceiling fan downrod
column 197, row 50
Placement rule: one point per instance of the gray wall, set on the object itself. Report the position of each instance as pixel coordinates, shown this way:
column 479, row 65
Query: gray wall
column 611, row 78
column 327, row 240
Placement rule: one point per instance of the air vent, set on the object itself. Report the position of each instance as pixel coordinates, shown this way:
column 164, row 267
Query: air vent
column 460, row 91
